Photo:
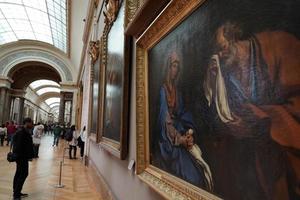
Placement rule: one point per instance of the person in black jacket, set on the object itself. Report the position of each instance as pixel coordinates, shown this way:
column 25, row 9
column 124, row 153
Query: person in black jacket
column 23, row 148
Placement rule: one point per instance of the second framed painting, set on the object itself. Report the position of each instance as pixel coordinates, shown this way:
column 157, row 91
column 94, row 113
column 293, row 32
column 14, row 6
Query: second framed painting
column 218, row 100
column 114, row 102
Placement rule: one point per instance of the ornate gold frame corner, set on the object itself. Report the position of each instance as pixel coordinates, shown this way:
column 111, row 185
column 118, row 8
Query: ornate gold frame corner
column 169, row 186
column 132, row 7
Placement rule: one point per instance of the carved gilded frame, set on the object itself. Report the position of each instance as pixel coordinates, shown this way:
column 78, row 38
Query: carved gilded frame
column 116, row 148
column 95, row 52
column 164, row 183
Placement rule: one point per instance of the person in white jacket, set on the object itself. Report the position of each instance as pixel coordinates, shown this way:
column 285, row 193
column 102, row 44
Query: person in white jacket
column 36, row 138
column 73, row 143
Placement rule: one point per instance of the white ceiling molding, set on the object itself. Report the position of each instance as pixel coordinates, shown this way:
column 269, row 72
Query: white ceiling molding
column 23, row 51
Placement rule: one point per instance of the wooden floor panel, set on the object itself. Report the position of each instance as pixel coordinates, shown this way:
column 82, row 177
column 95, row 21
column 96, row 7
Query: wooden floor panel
column 44, row 174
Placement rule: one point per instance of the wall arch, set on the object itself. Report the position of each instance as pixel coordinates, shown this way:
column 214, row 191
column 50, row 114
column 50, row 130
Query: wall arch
column 8, row 62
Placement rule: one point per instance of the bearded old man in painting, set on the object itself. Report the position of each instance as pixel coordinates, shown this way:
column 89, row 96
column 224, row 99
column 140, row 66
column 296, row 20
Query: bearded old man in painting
column 254, row 83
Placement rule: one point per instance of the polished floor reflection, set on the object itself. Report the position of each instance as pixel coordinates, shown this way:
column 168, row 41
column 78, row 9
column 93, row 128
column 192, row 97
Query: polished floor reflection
column 44, row 174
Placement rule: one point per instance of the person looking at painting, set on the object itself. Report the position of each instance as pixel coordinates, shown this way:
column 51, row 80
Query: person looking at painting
column 180, row 155
column 73, row 142
column 254, row 82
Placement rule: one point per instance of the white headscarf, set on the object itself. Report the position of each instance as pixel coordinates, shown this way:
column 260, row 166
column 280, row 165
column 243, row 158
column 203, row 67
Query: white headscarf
column 214, row 87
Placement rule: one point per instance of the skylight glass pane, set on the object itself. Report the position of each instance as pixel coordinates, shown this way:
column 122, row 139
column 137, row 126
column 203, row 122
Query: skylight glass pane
column 8, row 37
column 43, row 20
column 19, row 25
column 13, row 11
column 39, row 83
column 55, row 108
column 47, row 89
column 52, row 100
column 54, row 104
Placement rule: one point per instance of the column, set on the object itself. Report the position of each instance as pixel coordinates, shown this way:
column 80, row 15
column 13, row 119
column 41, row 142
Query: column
column 61, row 108
column 7, row 108
column 2, row 104
column 21, row 110
column 12, row 106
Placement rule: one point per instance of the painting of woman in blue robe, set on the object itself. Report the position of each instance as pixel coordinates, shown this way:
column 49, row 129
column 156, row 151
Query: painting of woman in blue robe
column 180, row 156
column 224, row 115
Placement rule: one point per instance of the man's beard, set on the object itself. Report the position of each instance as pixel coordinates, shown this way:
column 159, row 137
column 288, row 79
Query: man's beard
column 231, row 59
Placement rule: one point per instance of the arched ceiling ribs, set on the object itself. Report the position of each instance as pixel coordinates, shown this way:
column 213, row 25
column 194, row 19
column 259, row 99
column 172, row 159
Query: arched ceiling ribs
column 54, row 104
column 47, row 90
column 46, row 96
column 45, row 86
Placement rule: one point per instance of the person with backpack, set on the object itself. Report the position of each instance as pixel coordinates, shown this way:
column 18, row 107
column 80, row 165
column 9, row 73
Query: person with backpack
column 71, row 137
column 57, row 131
column 3, row 133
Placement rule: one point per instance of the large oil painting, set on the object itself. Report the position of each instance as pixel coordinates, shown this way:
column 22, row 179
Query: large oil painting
column 114, row 79
column 224, row 99
column 114, row 116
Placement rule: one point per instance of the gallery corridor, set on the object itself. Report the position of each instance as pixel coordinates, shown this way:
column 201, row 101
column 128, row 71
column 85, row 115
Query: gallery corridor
column 169, row 99
column 44, row 174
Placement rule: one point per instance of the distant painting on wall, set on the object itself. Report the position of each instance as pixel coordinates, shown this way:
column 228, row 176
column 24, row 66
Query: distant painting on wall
column 224, row 99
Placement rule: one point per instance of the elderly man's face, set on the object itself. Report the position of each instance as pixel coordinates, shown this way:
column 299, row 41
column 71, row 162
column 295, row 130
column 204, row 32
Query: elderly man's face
column 223, row 44
column 226, row 49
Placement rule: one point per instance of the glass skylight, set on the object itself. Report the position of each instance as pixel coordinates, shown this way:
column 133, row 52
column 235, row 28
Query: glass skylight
column 54, row 104
column 55, row 109
column 39, row 83
column 52, row 100
column 47, row 89
column 43, row 20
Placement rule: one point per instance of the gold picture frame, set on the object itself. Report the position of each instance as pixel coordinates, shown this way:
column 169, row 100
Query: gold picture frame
column 118, row 148
column 95, row 52
column 169, row 186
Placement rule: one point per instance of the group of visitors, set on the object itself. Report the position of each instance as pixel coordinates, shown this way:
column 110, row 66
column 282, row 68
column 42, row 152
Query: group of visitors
column 25, row 141
column 72, row 136
column 7, row 131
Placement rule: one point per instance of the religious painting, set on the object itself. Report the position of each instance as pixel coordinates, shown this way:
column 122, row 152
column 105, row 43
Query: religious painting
column 218, row 100
column 115, row 103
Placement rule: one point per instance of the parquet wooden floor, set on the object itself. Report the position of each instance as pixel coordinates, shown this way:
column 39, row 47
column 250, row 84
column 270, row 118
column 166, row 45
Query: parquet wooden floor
column 44, row 173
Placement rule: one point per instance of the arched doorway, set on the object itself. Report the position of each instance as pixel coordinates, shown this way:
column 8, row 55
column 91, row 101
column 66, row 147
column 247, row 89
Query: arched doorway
column 20, row 97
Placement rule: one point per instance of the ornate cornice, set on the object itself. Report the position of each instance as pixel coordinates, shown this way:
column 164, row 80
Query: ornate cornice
column 94, row 47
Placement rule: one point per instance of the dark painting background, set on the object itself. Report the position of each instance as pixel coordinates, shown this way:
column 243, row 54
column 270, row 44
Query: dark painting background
column 95, row 97
column 114, row 79
column 193, row 38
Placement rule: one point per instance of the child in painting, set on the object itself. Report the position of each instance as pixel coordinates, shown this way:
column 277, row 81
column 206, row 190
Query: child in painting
column 196, row 152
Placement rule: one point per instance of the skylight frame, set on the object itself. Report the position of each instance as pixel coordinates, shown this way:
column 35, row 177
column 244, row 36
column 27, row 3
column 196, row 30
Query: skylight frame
column 58, row 32
column 47, row 90
column 52, row 100
column 42, row 82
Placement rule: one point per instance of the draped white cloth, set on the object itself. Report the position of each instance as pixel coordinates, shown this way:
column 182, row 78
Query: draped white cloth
column 215, row 90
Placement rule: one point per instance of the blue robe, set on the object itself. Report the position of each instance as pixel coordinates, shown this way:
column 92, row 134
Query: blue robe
column 176, row 159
